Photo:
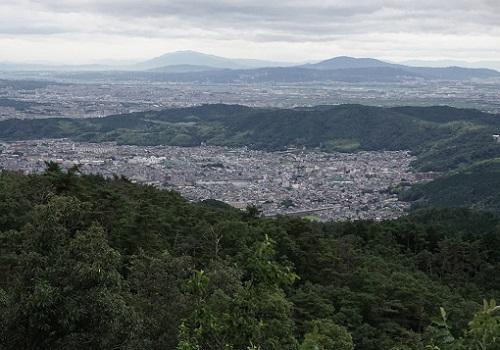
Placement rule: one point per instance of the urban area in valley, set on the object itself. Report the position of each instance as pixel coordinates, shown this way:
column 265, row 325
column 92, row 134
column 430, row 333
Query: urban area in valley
column 76, row 99
column 321, row 186
column 324, row 186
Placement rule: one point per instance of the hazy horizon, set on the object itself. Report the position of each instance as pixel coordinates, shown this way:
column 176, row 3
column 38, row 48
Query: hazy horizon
column 92, row 31
column 437, row 62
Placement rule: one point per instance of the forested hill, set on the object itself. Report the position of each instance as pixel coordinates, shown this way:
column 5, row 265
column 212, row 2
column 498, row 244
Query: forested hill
column 476, row 186
column 90, row 263
column 443, row 137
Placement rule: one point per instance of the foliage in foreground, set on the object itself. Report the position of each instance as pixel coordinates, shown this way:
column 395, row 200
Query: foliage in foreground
column 482, row 333
column 89, row 263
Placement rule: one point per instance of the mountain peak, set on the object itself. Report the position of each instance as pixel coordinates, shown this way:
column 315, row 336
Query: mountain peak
column 347, row 62
column 200, row 59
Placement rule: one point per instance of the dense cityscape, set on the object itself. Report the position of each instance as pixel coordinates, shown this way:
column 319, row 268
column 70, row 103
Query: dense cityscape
column 323, row 186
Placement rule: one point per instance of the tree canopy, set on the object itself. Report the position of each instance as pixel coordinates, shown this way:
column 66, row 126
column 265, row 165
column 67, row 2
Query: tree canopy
column 88, row 262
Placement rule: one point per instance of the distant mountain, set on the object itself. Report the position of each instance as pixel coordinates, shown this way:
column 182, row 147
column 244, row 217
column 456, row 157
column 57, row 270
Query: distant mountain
column 454, row 63
column 179, row 58
column 191, row 66
column 194, row 58
column 454, row 73
column 372, row 65
column 183, row 68
column 345, row 62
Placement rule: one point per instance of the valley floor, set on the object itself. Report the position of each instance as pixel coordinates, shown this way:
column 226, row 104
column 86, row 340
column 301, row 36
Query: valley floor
column 318, row 185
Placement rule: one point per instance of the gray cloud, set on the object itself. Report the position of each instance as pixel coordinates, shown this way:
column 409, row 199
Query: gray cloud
column 262, row 21
column 284, row 19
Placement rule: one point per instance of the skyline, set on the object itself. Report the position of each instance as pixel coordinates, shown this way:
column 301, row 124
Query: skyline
column 91, row 31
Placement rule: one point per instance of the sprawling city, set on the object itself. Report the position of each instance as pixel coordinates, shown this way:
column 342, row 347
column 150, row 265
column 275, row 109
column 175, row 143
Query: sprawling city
column 317, row 185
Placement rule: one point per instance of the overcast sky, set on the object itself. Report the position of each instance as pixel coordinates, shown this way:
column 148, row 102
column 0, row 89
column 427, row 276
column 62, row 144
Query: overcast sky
column 83, row 31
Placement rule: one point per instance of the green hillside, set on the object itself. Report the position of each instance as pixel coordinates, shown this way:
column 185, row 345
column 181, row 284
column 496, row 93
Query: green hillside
column 476, row 186
column 89, row 263
column 444, row 138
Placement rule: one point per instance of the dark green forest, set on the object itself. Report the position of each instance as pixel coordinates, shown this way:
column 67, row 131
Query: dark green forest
column 94, row 263
column 475, row 186
column 446, row 140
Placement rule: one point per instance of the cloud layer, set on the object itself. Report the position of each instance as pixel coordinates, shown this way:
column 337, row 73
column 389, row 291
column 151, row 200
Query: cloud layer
column 83, row 30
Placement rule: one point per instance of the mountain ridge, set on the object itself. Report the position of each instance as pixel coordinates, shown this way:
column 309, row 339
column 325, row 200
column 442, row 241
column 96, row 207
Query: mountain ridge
column 347, row 62
column 195, row 58
column 192, row 66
